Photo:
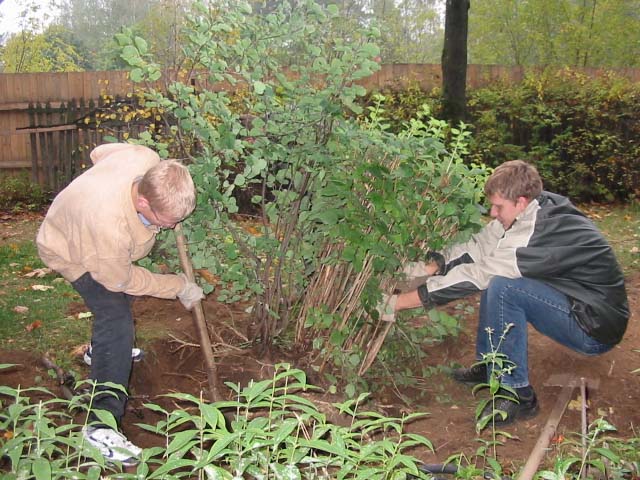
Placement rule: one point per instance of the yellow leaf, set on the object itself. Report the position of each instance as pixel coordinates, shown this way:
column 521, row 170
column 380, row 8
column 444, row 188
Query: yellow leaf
column 575, row 405
column 125, row 135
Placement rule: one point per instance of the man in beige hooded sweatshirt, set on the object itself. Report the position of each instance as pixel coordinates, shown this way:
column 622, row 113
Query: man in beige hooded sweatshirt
column 96, row 228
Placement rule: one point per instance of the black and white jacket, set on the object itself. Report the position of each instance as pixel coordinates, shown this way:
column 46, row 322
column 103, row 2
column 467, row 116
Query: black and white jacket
column 551, row 241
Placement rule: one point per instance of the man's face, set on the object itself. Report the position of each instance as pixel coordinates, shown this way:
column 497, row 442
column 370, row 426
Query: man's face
column 506, row 211
column 162, row 221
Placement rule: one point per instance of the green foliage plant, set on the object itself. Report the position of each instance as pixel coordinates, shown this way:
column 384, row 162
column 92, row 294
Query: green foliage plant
column 599, row 453
column 580, row 132
column 40, row 439
column 497, row 365
column 266, row 108
column 18, row 193
column 294, row 82
column 408, row 193
column 269, row 431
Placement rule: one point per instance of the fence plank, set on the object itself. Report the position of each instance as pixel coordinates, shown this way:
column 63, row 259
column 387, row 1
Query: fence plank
column 56, row 133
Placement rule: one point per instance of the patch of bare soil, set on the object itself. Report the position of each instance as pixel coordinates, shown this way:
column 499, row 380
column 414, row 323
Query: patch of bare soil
column 17, row 227
column 174, row 364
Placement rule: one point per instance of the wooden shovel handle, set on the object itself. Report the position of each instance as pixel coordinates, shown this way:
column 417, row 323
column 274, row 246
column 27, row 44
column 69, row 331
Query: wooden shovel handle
column 198, row 318
column 537, row 454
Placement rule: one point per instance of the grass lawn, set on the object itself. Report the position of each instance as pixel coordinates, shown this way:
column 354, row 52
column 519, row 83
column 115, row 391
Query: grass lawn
column 34, row 304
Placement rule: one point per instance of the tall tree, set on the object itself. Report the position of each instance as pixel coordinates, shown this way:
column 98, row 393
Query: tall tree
column 54, row 50
column 95, row 22
column 591, row 33
column 411, row 29
column 454, row 60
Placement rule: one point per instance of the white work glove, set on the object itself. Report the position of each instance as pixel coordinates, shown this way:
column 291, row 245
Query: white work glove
column 387, row 308
column 414, row 270
column 190, row 294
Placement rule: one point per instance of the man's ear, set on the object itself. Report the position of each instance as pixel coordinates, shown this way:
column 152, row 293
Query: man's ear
column 522, row 202
column 142, row 202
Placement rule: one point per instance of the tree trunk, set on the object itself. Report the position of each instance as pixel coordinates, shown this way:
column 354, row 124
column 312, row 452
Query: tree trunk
column 454, row 60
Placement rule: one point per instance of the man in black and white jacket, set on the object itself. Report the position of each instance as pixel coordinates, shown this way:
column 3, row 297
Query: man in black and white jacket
column 540, row 261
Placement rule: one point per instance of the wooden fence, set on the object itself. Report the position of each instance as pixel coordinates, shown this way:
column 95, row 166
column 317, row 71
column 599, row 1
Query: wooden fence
column 47, row 119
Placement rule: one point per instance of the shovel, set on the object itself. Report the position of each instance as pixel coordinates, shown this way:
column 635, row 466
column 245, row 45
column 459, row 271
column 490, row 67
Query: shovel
column 198, row 317
column 568, row 384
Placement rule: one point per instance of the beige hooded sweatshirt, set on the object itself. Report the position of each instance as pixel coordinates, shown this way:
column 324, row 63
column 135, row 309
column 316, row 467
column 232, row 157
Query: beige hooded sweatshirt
column 93, row 226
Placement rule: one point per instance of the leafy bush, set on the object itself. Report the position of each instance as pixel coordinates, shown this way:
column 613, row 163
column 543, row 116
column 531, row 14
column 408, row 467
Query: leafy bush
column 333, row 188
column 18, row 193
column 581, row 133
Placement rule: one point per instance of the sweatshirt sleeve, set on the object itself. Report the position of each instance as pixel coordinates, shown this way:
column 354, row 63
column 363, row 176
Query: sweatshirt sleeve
column 490, row 253
column 120, row 275
column 478, row 246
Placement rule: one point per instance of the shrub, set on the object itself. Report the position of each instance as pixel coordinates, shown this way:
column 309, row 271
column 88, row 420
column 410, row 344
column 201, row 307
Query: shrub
column 581, row 133
column 332, row 186
column 18, row 193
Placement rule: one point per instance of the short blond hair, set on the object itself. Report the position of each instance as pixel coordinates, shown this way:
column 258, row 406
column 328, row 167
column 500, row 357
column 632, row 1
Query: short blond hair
column 169, row 189
column 514, row 179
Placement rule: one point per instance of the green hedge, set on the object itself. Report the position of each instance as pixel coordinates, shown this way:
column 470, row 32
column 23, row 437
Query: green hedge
column 582, row 134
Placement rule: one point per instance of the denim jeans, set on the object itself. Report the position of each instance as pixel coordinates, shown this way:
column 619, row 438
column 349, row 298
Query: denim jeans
column 111, row 339
column 519, row 301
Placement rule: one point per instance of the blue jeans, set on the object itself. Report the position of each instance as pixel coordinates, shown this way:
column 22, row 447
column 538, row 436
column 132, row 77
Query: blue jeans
column 111, row 340
column 519, row 301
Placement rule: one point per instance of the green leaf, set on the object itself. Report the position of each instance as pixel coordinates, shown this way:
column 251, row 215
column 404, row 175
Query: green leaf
column 130, row 53
column 259, row 87
column 136, row 75
column 41, row 469
column 141, row 45
column 122, row 39
column 350, row 390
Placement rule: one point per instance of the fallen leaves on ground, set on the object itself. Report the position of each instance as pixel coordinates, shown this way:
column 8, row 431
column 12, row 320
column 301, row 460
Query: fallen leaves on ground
column 20, row 309
column 79, row 350
column 38, row 273
column 41, row 288
column 33, row 325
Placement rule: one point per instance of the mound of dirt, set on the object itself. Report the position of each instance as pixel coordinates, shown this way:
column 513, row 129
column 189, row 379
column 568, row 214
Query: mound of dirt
column 174, row 364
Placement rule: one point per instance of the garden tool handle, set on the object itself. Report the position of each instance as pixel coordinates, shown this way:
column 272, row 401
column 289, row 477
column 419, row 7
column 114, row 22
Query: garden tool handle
column 198, row 317
column 537, row 454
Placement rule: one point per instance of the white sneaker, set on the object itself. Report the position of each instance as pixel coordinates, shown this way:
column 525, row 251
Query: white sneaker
column 113, row 446
column 136, row 355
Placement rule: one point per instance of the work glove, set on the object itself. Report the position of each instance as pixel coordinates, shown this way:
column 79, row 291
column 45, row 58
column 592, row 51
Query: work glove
column 387, row 308
column 190, row 294
column 414, row 270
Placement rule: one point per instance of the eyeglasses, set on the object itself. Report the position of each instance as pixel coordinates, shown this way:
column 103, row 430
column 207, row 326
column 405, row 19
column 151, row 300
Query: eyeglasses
column 162, row 222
